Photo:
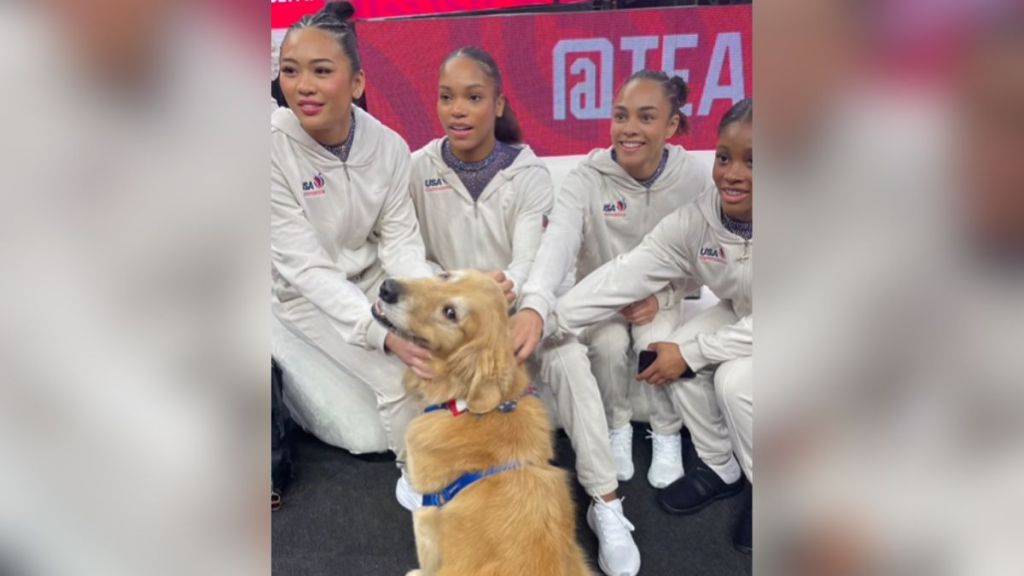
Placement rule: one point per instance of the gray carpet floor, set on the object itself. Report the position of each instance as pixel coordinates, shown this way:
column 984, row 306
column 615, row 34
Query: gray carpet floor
column 340, row 518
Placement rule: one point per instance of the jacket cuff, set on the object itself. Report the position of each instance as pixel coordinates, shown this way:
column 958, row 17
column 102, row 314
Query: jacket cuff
column 375, row 335
column 692, row 355
column 515, row 288
column 666, row 297
column 537, row 303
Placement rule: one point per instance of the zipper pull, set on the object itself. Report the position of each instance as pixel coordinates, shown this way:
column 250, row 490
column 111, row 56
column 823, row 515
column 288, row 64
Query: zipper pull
column 746, row 251
column 345, row 165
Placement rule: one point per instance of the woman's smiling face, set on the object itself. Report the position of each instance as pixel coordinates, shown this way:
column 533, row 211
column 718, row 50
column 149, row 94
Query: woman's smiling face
column 733, row 172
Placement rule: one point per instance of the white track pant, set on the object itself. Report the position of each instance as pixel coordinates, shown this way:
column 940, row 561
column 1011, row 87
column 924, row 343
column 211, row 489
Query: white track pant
column 371, row 368
column 717, row 405
column 590, row 378
column 613, row 348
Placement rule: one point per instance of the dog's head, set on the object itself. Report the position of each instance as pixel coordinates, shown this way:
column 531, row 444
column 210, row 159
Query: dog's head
column 462, row 318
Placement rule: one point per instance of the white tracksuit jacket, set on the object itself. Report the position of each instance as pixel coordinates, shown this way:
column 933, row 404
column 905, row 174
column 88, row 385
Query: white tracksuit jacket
column 501, row 230
column 337, row 229
column 601, row 212
column 691, row 243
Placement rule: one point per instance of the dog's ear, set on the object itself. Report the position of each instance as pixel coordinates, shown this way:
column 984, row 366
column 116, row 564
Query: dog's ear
column 488, row 370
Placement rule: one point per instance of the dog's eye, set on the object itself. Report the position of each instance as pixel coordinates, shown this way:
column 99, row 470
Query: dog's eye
column 449, row 313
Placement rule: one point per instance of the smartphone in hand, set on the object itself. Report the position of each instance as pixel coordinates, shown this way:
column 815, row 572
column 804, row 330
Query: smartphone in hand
column 645, row 359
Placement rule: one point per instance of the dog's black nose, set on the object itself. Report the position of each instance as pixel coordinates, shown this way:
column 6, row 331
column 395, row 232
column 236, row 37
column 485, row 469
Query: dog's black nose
column 390, row 290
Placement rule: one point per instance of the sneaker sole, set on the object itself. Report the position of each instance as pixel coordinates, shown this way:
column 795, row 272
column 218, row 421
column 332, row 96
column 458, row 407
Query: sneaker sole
column 694, row 509
column 600, row 564
column 407, row 506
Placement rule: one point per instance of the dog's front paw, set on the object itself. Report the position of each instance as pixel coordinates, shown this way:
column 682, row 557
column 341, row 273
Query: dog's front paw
column 416, row 572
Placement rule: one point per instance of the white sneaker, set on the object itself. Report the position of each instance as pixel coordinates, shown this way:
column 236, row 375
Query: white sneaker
column 667, row 461
column 622, row 451
column 617, row 554
column 406, row 496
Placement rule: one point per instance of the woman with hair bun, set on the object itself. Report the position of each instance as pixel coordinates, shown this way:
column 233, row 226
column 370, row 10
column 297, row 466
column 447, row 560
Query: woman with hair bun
column 341, row 220
column 707, row 364
column 604, row 208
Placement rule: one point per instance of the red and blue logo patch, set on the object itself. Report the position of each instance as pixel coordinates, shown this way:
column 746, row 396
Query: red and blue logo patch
column 315, row 187
column 714, row 254
column 616, row 208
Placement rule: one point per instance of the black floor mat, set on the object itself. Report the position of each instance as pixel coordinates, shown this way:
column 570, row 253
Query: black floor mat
column 340, row 518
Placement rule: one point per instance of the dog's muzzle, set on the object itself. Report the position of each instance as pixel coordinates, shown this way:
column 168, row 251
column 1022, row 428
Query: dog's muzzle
column 390, row 291
column 378, row 313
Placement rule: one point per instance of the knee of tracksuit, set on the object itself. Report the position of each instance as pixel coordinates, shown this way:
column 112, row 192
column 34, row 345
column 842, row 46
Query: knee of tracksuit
column 610, row 341
column 658, row 330
column 732, row 383
column 567, row 365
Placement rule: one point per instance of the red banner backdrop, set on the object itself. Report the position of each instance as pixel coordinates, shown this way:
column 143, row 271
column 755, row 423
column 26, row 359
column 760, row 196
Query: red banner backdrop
column 377, row 9
column 561, row 70
column 285, row 12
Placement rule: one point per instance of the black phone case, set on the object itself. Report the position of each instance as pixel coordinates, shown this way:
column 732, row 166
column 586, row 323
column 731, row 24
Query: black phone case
column 645, row 359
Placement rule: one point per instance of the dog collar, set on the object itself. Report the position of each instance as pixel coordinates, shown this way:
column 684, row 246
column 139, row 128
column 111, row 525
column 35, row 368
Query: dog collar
column 450, row 491
column 458, row 407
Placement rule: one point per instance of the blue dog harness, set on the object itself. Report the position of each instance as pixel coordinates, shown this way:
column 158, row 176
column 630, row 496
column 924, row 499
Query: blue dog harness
column 458, row 407
column 462, row 482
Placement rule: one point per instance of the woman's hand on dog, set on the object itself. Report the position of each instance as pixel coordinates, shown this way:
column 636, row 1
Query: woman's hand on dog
column 527, row 328
column 641, row 312
column 667, row 367
column 417, row 358
column 506, row 285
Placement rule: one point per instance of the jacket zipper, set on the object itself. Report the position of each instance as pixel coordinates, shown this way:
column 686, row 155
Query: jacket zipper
column 749, row 273
column 647, row 208
column 746, row 251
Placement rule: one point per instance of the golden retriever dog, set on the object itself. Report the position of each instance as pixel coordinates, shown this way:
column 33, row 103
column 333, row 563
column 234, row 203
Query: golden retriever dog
column 517, row 520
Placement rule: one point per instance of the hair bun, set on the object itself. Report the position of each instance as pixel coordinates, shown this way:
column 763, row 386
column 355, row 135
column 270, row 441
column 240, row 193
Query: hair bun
column 341, row 10
column 681, row 87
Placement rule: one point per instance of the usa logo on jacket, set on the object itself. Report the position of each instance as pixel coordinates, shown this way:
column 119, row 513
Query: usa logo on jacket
column 315, row 187
column 616, row 209
column 713, row 254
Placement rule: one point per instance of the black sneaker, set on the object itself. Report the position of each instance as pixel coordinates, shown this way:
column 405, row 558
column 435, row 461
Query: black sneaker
column 700, row 487
column 743, row 540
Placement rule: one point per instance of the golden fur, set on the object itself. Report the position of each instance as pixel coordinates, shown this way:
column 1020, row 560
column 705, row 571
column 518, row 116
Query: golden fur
column 519, row 522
